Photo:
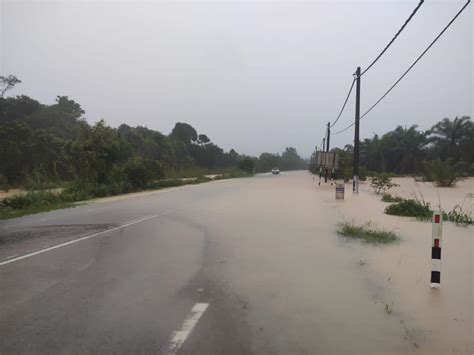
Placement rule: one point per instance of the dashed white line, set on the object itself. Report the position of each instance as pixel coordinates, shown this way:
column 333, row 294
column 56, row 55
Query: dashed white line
column 83, row 238
column 180, row 336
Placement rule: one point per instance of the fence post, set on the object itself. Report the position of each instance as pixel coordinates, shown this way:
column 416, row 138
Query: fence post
column 437, row 234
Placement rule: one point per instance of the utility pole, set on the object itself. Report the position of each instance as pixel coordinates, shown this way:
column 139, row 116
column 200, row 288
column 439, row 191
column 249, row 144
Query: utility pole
column 329, row 135
column 355, row 181
column 327, row 150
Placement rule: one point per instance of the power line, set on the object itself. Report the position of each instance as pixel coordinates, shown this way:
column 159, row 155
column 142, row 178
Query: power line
column 394, row 37
column 377, row 58
column 411, row 66
column 418, row 59
column 344, row 105
column 344, row 129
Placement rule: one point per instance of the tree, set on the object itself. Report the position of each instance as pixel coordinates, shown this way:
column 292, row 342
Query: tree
column 97, row 152
column 247, row 165
column 184, row 132
column 267, row 162
column 70, row 107
column 7, row 83
column 203, row 139
column 399, row 151
column 290, row 160
column 14, row 151
column 448, row 136
column 17, row 108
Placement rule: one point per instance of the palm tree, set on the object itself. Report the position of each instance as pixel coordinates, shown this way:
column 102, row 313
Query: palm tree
column 447, row 136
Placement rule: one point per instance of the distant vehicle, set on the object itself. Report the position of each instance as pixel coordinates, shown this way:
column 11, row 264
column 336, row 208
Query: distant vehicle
column 275, row 171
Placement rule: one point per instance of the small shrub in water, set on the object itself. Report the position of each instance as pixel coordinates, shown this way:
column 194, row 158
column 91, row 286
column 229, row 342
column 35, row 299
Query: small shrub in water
column 410, row 208
column 366, row 233
column 458, row 216
column 381, row 182
column 442, row 173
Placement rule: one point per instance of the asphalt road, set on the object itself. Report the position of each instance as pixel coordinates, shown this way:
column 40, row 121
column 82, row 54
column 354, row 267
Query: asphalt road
column 230, row 267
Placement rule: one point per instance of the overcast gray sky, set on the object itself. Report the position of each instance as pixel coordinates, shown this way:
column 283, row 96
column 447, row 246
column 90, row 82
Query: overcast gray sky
column 253, row 76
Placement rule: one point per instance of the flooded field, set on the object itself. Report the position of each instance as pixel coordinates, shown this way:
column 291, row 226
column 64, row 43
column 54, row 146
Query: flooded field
column 308, row 290
column 442, row 319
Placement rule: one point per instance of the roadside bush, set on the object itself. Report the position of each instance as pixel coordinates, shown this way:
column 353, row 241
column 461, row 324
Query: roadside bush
column 38, row 180
column 410, row 208
column 140, row 172
column 171, row 183
column 381, row 182
column 443, row 173
column 33, row 198
column 201, row 179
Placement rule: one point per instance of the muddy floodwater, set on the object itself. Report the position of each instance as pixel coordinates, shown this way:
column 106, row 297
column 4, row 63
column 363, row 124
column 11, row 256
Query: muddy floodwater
column 308, row 290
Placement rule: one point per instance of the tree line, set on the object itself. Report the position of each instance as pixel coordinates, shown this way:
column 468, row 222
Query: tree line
column 51, row 144
column 449, row 145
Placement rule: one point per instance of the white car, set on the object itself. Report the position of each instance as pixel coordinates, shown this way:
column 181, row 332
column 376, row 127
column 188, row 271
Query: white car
column 275, row 171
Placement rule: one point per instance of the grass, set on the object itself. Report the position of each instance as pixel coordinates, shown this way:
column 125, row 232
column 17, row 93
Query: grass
column 33, row 202
column 8, row 212
column 366, row 233
column 46, row 200
column 458, row 216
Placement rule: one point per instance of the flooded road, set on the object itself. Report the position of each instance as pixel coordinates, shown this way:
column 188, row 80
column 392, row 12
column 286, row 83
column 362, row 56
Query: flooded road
column 235, row 266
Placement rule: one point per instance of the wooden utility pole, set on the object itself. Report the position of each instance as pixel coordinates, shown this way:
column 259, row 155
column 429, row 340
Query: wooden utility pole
column 355, row 181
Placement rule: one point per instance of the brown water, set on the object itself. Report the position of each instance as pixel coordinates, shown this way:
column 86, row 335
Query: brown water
column 307, row 290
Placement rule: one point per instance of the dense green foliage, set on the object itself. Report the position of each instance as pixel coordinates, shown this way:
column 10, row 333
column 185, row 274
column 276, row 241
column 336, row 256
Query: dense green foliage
column 445, row 149
column 46, row 146
column 54, row 143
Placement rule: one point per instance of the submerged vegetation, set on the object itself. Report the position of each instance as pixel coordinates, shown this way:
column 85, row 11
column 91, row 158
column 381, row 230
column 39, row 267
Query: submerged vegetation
column 443, row 174
column 421, row 209
column 366, row 233
column 387, row 197
column 381, row 183
column 410, row 208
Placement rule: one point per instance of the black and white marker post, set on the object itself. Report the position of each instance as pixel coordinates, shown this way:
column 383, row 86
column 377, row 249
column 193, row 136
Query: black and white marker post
column 437, row 235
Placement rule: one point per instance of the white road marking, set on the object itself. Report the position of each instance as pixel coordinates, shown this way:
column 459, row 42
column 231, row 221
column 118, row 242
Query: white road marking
column 127, row 224
column 11, row 256
column 180, row 336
